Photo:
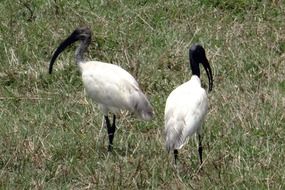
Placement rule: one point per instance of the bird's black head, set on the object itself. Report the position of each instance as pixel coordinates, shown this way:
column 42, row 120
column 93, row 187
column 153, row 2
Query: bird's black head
column 197, row 55
column 81, row 33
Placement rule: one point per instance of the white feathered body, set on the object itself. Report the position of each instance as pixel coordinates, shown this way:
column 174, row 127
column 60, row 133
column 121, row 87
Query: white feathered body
column 114, row 89
column 185, row 109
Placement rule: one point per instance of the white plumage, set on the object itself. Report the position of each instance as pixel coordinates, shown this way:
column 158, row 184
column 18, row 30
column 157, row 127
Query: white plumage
column 185, row 110
column 187, row 105
column 114, row 89
column 109, row 85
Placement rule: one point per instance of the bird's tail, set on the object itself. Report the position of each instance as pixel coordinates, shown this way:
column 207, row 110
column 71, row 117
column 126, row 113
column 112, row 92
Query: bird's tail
column 173, row 135
column 141, row 106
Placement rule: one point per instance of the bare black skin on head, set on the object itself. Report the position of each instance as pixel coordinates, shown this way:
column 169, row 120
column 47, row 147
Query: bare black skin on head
column 197, row 55
column 83, row 34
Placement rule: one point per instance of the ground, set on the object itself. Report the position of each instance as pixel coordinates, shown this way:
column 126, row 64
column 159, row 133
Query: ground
column 50, row 133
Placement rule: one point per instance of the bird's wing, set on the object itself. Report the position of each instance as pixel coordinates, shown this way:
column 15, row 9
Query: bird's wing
column 184, row 112
column 112, row 86
column 174, row 119
column 196, row 113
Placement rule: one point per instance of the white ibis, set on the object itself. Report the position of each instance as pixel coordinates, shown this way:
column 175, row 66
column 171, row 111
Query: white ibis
column 109, row 85
column 187, row 105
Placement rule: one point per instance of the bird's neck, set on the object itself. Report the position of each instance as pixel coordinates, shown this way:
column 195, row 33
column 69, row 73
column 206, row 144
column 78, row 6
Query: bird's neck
column 81, row 49
column 195, row 68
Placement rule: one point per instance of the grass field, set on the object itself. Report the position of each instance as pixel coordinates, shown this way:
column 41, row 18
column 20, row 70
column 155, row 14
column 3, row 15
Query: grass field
column 50, row 133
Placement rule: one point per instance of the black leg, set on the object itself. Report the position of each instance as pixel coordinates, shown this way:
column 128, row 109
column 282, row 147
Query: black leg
column 200, row 149
column 114, row 122
column 175, row 156
column 111, row 131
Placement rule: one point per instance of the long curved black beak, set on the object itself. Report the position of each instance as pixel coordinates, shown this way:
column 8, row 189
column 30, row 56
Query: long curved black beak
column 208, row 69
column 68, row 41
